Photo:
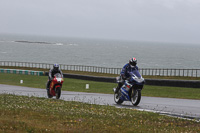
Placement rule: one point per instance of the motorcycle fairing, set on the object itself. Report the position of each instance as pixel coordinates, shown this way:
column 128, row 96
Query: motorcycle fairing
column 124, row 96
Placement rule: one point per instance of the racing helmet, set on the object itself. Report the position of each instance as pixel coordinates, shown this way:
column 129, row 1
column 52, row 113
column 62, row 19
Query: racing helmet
column 56, row 67
column 133, row 62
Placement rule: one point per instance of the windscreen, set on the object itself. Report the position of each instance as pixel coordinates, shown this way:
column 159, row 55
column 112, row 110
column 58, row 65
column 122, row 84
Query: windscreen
column 136, row 73
column 58, row 75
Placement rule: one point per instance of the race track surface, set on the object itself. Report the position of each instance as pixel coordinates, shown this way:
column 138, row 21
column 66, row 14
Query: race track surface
column 169, row 106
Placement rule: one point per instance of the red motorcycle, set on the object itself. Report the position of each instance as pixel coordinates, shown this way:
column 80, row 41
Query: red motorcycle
column 55, row 86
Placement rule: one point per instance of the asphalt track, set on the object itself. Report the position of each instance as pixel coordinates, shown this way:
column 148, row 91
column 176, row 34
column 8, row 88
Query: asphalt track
column 185, row 108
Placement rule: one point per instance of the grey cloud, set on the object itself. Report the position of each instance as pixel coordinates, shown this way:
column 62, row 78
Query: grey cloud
column 145, row 20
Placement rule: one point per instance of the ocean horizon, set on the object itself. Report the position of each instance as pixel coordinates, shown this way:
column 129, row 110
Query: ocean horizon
column 98, row 52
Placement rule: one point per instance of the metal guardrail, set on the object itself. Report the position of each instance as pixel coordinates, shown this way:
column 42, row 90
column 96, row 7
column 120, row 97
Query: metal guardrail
column 143, row 71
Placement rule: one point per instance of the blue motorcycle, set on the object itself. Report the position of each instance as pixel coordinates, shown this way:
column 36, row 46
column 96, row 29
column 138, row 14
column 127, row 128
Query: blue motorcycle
column 131, row 89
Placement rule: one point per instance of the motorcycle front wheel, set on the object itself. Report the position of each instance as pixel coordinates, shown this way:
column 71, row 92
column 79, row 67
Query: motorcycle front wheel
column 117, row 98
column 58, row 92
column 135, row 97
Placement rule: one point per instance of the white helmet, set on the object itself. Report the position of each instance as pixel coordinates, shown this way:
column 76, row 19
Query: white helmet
column 133, row 62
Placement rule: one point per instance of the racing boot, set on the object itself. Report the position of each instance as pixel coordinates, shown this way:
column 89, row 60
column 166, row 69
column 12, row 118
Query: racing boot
column 47, row 86
column 117, row 89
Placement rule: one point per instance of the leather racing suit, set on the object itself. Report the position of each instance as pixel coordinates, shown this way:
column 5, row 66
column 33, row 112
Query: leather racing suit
column 125, row 75
column 52, row 72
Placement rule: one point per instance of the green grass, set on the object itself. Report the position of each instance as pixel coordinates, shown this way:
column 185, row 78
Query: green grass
column 171, row 92
column 98, row 87
column 30, row 114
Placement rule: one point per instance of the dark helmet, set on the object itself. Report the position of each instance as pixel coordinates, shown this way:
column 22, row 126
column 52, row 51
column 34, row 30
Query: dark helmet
column 133, row 62
column 56, row 67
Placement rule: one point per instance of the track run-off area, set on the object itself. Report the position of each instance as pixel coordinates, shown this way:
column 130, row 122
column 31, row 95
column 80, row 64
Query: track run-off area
column 184, row 108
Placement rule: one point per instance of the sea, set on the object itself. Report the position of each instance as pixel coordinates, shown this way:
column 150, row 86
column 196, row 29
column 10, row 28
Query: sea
column 98, row 52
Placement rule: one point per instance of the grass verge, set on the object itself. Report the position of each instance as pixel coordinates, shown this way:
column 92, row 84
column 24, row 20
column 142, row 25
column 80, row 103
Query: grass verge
column 31, row 114
column 98, row 87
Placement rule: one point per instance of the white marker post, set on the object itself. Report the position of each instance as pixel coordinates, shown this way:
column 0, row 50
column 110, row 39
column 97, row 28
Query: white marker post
column 87, row 86
column 21, row 81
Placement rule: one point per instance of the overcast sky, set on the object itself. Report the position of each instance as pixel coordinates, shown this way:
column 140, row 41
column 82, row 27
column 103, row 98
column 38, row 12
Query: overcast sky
column 143, row 20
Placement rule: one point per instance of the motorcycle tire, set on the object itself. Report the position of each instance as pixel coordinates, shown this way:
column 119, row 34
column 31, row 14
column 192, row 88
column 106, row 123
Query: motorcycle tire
column 48, row 94
column 117, row 99
column 58, row 92
column 135, row 97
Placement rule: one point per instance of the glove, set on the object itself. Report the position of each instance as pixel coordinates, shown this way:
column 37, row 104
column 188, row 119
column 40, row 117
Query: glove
column 123, row 77
column 50, row 78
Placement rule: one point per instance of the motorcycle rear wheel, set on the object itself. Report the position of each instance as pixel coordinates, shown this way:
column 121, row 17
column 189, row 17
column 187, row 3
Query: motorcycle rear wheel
column 135, row 97
column 58, row 92
column 117, row 98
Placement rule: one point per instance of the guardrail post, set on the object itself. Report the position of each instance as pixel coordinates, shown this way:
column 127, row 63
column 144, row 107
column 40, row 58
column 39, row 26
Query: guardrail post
column 196, row 73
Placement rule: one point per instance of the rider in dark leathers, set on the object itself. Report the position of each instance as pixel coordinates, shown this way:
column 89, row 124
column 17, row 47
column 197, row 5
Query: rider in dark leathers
column 129, row 67
column 52, row 72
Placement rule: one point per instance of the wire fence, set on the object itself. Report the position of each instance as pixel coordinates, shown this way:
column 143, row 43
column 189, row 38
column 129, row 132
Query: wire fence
column 143, row 71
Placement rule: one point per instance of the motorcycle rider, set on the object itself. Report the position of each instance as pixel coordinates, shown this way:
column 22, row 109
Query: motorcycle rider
column 125, row 72
column 52, row 72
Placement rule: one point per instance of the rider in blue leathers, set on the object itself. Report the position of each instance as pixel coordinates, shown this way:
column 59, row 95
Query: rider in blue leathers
column 125, row 72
